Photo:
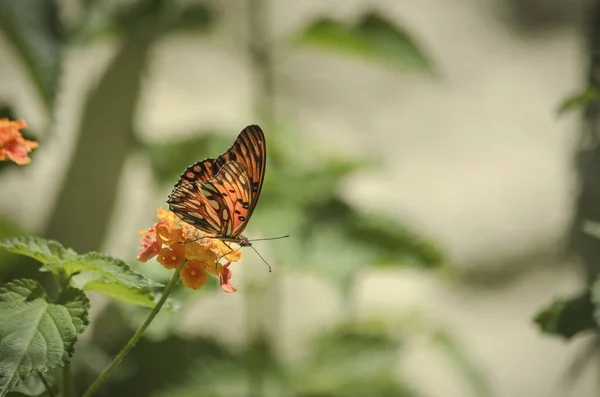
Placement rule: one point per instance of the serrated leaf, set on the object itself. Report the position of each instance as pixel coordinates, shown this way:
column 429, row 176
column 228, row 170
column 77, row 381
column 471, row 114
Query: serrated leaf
column 31, row 27
column 568, row 317
column 138, row 296
column 579, row 100
column 118, row 279
column 37, row 334
column 43, row 250
column 373, row 37
column 112, row 269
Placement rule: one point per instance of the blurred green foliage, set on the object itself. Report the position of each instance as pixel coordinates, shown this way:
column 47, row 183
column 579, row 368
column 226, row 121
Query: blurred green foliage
column 567, row 317
column 579, row 100
column 303, row 195
column 33, row 29
column 372, row 37
column 305, row 199
column 353, row 359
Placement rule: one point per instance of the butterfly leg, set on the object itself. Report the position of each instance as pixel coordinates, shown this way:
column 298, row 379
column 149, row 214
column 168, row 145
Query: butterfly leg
column 230, row 251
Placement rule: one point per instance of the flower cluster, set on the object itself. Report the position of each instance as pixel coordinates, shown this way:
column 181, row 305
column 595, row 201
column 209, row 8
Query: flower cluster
column 173, row 241
column 12, row 144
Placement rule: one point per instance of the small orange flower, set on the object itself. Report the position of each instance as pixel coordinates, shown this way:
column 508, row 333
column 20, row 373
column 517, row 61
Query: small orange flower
column 193, row 275
column 200, row 252
column 229, row 253
column 174, row 242
column 12, row 144
column 168, row 234
column 172, row 257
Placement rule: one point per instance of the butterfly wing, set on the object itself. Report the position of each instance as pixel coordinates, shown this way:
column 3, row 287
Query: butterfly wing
column 200, row 203
column 219, row 206
column 199, row 172
column 249, row 149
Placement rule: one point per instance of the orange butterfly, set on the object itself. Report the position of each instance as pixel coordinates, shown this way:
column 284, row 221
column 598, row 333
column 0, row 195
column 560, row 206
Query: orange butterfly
column 219, row 195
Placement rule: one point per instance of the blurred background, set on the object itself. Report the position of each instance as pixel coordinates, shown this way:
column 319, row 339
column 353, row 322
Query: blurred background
column 432, row 160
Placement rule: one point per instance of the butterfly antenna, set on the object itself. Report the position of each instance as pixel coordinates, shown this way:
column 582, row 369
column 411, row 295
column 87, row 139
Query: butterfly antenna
column 263, row 259
column 270, row 238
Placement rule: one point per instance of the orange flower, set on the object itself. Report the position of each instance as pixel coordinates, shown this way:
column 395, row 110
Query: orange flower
column 229, row 253
column 172, row 257
column 193, row 274
column 200, row 252
column 12, row 144
column 175, row 242
column 168, row 234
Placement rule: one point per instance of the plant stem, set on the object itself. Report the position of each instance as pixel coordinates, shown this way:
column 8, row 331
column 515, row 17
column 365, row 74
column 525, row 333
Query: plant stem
column 136, row 337
column 261, row 59
column 62, row 282
column 67, row 381
column 46, row 384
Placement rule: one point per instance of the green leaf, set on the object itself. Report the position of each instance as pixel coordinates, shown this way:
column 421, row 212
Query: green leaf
column 112, row 269
column 568, row 317
column 45, row 251
column 138, row 296
column 31, row 27
column 111, row 276
column 373, row 37
column 579, row 100
column 37, row 334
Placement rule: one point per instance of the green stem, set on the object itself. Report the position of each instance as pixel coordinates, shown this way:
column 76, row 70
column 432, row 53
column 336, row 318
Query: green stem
column 67, row 381
column 62, row 282
column 46, row 384
column 136, row 337
column 261, row 59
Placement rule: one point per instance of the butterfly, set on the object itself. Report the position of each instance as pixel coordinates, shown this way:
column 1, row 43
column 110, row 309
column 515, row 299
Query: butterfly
column 218, row 196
